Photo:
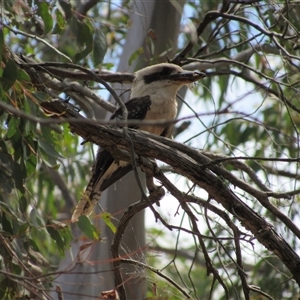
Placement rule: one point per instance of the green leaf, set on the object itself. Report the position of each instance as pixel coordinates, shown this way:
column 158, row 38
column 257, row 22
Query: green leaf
column 6, row 224
column 1, row 44
column 55, row 235
column 7, row 183
column 107, row 219
column 37, row 258
column 41, row 96
column 99, row 47
column 31, row 164
column 81, row 55
column 19, row 173
column 107, row 66
column 84, row 38
column 67, row 8
column 48, row 148
column 16, row 269
column 5, row 208
column 66, row 235
column 23, row 204
column 22, row 229
column 32, row 244
column 43, row 12
column 82, row 32
column 10, row 70
column 136, row 54
column 22, row 75
column 87, row 227
column 4, row 284
column 75, row 26
column 60, row 22
column 9, row 75
column 12, row 127
column 35, row 219
column 10, row 171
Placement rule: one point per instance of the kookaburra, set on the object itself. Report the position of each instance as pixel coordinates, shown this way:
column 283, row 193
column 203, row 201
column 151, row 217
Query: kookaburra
column 153, row 97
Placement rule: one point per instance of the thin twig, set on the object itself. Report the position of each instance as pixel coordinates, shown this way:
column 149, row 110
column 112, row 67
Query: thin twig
column 16, row 32
column 159, row 273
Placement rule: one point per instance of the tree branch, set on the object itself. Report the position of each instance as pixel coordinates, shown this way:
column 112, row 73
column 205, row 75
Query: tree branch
column 196, row 167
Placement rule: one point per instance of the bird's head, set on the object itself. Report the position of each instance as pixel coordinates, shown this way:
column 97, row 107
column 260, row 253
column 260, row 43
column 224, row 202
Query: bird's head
column 162, row 78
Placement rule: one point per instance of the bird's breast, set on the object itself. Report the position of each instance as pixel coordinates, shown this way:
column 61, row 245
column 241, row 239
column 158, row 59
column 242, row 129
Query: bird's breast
column 160, row 110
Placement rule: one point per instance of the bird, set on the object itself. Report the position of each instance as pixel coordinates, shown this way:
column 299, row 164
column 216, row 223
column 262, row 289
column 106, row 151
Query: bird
column 153, row 97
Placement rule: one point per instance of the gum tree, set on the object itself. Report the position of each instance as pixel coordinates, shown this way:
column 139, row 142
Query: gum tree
column 227, row 227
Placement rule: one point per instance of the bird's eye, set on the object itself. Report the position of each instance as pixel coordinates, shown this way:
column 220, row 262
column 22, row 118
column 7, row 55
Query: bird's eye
column 166, row 71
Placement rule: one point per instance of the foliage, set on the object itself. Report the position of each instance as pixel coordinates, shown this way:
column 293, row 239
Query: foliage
column 247, row 122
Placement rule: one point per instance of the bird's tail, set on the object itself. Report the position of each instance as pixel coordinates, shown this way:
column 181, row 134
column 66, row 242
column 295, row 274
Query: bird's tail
column 87, row 203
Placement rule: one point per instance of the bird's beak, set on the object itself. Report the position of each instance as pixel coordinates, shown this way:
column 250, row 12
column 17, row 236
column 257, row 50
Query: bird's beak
column 187, row 76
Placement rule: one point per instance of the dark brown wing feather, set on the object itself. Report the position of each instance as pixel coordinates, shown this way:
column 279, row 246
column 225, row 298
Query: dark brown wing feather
column 137, row 110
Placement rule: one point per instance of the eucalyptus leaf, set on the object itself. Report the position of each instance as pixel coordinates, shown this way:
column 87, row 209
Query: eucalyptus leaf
column 9, row 75
column 99, row 47
column 43, row 11
column 85, row 225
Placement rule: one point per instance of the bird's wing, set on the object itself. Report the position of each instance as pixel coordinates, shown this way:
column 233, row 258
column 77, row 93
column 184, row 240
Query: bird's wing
column 106, row 170
column 137, row 109
column 140, row 109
